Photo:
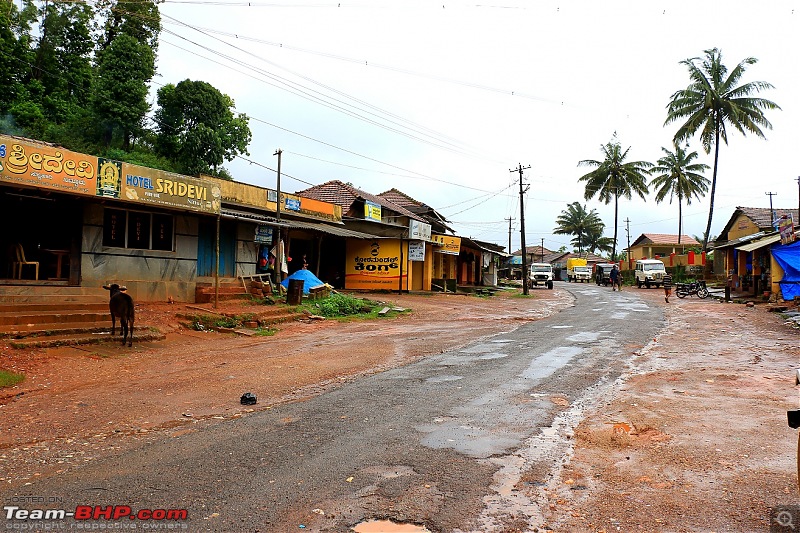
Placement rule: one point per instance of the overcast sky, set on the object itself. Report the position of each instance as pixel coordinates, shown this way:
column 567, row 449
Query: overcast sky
column 442, row 101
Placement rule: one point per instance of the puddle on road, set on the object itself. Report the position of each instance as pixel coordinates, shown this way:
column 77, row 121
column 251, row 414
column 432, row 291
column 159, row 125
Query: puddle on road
column 387, row 526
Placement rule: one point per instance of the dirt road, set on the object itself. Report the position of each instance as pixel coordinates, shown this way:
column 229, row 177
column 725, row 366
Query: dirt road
column 699, row 418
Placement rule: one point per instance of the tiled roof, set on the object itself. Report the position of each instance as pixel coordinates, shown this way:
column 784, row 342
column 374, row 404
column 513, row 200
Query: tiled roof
column 762, row 217
column 534, row 250
column 401, row 199
column 664, row 238
column 342, row 194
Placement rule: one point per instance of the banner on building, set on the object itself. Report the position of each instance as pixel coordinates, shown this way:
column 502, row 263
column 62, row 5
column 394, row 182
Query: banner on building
column 374, row 265
column 786, row 227
column 158, row 187
column 372, row 211
column 40, row 165
column 419, row 230
column 446, row 244
column 416, row 250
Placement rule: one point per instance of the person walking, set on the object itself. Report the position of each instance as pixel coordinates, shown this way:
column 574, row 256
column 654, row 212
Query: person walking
column 616, row 278
column 667, row 287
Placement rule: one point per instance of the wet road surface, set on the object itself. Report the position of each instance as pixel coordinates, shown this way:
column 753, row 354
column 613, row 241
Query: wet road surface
column 444, row 442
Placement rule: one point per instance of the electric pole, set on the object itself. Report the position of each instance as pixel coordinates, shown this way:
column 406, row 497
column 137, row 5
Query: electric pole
column 519, row 169
column 628, row 232
column 771, row 212
column 541, row 249
column 509, row 229
column 796, row 222
column 278, row 251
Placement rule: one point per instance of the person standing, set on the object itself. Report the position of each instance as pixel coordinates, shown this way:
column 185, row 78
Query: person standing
column 667, row 287
column 615, row 278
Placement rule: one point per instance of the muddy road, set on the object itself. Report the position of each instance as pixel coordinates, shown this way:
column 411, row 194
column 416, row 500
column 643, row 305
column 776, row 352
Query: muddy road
column 441, row 442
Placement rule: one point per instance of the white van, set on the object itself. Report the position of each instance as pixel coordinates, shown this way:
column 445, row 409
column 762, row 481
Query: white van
column 541, row 274
column 650, row 272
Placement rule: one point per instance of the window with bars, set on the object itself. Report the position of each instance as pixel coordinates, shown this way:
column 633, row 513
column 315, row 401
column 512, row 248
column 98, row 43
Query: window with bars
column 138, row 230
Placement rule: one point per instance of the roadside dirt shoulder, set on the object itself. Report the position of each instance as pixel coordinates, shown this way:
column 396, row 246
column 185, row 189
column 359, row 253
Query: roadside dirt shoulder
column 79, row 403
column 695, row 437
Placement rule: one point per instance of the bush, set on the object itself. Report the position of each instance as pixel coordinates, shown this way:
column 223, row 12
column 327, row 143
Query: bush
column 343, row 305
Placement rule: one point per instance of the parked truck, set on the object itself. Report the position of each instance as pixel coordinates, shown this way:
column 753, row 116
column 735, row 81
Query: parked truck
column 578, row 270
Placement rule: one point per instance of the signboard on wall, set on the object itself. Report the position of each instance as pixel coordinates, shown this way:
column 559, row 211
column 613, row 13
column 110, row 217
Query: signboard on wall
column 158, row 187
column 374, row 265
column 372, row 211
column 416, row 250
column 419, row 230
column 447, row 244
column 263, row 234
column 39, row 165
column 786, row 226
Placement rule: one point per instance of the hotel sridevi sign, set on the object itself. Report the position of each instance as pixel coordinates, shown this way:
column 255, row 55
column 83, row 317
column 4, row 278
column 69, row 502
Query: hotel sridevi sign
column 39, row 165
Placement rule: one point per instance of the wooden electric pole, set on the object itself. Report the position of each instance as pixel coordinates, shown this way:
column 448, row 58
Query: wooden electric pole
column 519, row 169
column 278, row 251
column 509, row 228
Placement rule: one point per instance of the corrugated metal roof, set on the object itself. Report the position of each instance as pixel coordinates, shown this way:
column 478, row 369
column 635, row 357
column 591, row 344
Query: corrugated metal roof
column 332, row 230
column 760, row 243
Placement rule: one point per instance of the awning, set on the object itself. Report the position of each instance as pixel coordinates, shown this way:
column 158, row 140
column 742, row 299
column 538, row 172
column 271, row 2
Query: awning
column 249, row 216
column 331, row 230
column 760, row 243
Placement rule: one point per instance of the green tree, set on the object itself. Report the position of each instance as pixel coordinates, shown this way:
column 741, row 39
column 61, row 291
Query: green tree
column 197, row 128
column 16, row 57
column 120, row 97
column 577, row 221
column 140, row 20
column 595, row 242
column 679, row 178
column 713, row 101
column 614, row 177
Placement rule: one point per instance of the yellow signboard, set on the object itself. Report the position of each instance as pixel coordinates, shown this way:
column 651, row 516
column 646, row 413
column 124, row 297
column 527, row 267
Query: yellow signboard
column 446, row 244
column 375, row 265
column 157, row 187
column 372, row 211
column 39, row 165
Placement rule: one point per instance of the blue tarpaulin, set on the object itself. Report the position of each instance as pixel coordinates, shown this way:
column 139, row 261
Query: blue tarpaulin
column 309, row 280
column 788, row 257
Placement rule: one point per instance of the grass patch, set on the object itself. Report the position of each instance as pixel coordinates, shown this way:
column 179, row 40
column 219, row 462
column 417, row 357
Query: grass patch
column 205, row 322
column 7, row 378
column 343, row 306
column 265, row 332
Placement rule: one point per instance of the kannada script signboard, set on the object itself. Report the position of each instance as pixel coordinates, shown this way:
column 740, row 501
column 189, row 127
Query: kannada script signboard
column 39, row 165
column 374, row 265
column 26, row 162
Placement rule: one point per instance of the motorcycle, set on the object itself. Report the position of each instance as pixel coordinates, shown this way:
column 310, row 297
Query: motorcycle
column 682, row 290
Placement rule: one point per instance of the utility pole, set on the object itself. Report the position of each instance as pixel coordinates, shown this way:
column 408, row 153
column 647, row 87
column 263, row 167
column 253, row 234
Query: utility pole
column 509, row 228
column 278, row 254
column 628, row 232
column 771, row 212
column 519, row 169
column 541, row 249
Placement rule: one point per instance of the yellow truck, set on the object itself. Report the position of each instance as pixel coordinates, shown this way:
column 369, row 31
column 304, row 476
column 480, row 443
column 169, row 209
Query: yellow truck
column 578, row 270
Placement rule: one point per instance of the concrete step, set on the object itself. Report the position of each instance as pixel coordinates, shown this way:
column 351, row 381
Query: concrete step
column 25, row 317
column 25, row 330
column 82, row 337
column 56, row 307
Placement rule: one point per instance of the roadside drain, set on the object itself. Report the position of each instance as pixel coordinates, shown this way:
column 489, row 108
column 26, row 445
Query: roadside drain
column 387, row 526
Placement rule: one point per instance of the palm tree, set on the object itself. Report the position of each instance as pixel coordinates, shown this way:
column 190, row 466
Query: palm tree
column 614, row 177
column 595, row 242
column 576, row 220
column 679, row 178
column 711, row 102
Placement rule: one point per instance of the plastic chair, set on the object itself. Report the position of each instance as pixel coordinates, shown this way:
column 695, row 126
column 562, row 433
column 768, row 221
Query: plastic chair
column 20, row 262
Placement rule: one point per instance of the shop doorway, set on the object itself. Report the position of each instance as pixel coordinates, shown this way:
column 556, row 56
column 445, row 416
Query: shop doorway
column 207, row 248
column 41, row 237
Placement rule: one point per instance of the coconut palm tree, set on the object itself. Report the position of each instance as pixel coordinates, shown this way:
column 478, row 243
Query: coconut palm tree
column 712, row 102
column 576, row 220
column 595, row 242
column 679, row 178
column 614, row 177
